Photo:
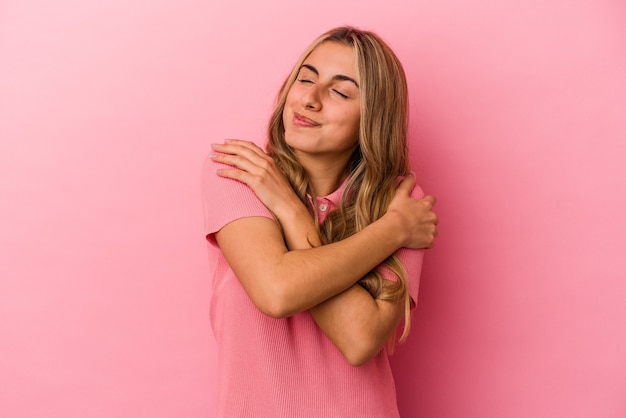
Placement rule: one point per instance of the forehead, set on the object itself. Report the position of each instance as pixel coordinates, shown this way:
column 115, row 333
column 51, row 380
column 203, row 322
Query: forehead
column 332, row 58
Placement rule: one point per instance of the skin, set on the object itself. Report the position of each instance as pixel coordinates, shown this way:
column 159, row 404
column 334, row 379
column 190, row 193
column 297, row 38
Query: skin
column 326, row 96
column 283, row 274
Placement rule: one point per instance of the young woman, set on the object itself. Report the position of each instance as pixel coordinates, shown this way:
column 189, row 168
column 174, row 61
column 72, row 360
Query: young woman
column 319, row 242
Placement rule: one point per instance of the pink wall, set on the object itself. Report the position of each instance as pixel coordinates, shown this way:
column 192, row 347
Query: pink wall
column 519, row 126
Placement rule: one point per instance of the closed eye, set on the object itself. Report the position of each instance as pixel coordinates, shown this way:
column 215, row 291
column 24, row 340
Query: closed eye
column 341, row 94
column 304, row 80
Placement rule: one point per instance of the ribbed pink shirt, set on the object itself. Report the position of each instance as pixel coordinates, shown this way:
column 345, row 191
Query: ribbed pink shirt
column 271, row 368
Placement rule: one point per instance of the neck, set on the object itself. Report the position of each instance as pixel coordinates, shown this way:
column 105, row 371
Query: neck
column 324, row 177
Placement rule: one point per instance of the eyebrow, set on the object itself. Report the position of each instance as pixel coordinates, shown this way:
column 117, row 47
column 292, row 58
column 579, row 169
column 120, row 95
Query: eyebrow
column 339, row 77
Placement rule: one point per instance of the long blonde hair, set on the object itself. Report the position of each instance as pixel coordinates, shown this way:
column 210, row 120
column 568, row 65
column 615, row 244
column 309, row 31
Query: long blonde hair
column 378, row 161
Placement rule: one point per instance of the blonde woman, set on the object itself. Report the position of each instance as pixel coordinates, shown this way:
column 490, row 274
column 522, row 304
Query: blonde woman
column 318, row 242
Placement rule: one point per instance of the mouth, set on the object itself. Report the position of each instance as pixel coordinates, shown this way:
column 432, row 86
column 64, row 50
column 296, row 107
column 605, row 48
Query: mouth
column 303, row 121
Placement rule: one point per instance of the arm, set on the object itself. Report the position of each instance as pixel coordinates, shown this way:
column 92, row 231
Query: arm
column 354, row 321
column 251, row 166
column 358, row 324
column 282, row 282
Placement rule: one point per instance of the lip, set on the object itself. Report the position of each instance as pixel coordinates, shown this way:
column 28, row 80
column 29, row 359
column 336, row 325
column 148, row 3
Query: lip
column 303, row 121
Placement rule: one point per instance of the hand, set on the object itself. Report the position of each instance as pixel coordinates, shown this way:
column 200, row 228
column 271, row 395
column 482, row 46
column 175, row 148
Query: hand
column 417, row 215
column 250, row 165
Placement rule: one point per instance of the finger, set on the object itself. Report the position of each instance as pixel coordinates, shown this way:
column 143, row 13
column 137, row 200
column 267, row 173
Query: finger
column 256, row 156
column 241, row 176
column 407, row 184
column 244, row 148
column 234, row 146
column 246, row 144
column 262, row 167
column 231, row 173
column 237, row 141
column 431, row 199
column 241, row 163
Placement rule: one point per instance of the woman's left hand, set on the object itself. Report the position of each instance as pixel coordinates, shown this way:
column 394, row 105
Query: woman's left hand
column 252, row 166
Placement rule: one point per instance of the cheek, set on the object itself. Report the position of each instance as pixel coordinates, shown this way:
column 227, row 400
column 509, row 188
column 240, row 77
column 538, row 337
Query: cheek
column 288, row 106
column 292, row 95
column 286, row 110
column 354, row 122
column 357, row 122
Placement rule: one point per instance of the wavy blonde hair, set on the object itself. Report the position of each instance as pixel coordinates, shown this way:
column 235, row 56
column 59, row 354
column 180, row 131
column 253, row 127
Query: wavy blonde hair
column 379, row 159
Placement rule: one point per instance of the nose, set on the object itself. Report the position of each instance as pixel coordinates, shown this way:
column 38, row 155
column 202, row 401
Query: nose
column 311, row 99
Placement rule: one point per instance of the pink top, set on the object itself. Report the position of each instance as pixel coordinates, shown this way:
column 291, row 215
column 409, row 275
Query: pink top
column 284, row 367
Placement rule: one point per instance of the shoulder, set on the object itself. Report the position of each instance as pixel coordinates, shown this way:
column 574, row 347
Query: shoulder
column 214, row 185
column 225, row 200
column 416, row 193
column 209, row 172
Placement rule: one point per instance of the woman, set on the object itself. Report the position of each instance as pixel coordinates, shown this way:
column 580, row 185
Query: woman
column 318, row 241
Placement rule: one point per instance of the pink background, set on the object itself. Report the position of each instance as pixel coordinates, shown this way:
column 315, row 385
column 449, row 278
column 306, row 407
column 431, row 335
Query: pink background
column 518, row 122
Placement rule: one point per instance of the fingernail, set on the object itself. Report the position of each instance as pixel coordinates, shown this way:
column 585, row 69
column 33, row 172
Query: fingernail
column 213, row 155
column 214, row 146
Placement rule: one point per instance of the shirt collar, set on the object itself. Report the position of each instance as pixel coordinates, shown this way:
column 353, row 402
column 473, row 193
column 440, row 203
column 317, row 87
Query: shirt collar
column 328, row 203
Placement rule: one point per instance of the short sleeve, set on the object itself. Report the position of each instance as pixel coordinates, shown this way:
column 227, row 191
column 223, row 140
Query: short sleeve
column 411, row 261
column 225, row 200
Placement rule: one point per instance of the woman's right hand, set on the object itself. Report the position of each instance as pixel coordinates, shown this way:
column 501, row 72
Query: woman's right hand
column 252, row 166
column 416, row 215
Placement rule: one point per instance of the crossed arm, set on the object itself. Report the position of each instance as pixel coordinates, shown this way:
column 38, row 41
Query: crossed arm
column 289, row 271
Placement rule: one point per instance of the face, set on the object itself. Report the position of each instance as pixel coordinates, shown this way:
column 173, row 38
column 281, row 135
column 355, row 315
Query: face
column 322, row 110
